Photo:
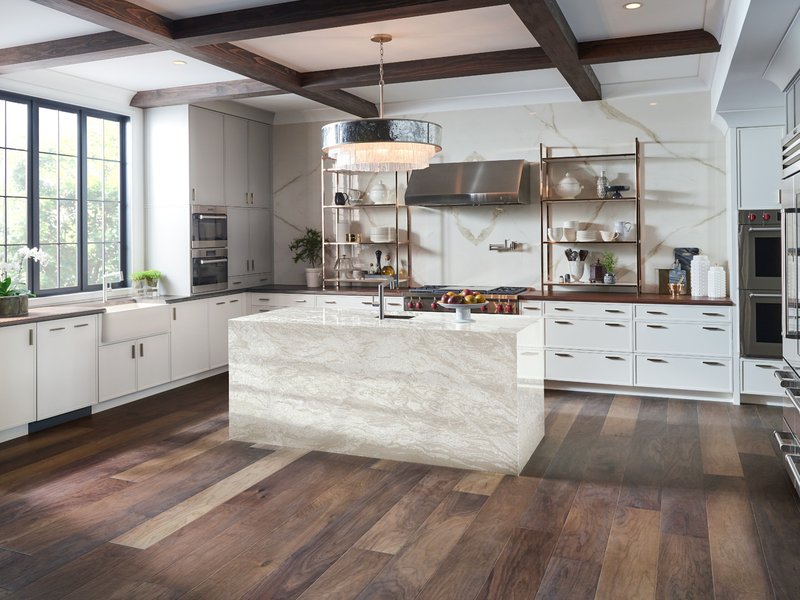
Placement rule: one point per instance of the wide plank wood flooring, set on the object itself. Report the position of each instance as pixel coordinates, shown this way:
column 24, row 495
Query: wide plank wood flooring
column 625, row 498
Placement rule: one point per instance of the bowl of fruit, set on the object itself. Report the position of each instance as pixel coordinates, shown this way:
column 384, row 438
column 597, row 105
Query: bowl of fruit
column 463, row 303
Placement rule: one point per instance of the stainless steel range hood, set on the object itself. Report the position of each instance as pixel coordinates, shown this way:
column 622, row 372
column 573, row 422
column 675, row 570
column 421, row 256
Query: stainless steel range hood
column 470, row 184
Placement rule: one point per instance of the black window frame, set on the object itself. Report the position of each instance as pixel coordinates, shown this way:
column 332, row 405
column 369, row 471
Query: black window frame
column 82, row 113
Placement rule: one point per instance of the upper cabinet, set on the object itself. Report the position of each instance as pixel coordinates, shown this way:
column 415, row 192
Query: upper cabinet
column 247, row 163
column 758, row 166
column 206, row 156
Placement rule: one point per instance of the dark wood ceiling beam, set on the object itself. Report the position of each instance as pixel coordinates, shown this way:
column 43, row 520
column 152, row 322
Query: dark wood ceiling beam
column 143, row 24
column 223, row 90
column 308, row 15
column 69, row 51
column 550, row 29
column 659, row 45
column 484, row 63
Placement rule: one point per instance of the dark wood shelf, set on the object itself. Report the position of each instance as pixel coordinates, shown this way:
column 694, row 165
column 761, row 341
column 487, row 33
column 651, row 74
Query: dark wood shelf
column 548, row 242
column 623, row 199
column 590, row 157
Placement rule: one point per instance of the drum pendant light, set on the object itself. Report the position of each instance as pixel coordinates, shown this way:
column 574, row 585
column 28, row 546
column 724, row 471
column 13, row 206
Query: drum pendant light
column 377, row 145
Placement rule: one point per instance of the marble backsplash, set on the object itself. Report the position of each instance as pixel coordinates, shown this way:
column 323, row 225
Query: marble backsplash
column 684, row 185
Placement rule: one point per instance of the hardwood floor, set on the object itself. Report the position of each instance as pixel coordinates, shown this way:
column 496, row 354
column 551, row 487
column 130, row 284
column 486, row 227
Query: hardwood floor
column 625, row 498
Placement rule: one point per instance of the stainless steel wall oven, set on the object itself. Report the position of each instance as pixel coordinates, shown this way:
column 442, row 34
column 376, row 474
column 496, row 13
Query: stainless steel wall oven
column 209, row 227
column 209, row 270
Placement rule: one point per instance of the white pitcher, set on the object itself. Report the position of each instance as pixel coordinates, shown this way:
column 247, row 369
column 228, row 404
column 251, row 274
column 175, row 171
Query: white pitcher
column 623, row 228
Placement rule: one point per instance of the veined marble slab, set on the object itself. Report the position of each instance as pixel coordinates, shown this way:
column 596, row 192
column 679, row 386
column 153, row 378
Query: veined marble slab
column 424, row 390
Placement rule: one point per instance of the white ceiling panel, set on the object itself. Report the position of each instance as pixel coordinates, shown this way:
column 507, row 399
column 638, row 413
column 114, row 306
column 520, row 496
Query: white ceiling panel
column 149, row 71
column 181, row 9
column 651, row 69
column 464, row 32
column 601, row 19
column 24, row 22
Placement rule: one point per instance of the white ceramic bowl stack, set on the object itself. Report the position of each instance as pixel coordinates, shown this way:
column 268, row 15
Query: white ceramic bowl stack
column 382, row 235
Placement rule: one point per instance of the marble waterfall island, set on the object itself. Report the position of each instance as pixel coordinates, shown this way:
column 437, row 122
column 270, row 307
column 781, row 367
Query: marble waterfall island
column 425, row 389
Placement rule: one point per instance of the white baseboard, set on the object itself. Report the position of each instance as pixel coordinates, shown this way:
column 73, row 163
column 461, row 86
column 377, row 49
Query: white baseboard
column 569, row 386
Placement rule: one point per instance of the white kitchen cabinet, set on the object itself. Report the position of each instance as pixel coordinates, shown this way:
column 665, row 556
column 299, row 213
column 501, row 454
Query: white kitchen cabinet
column 531, row 308
column 18, row 375
column 602, row 310
column 189, row 338
column 259, row 164
column 758, row 377
column 606, row 368
column 206, row 156
column 220, row 311
column 237, row 192
column 758, row 165
column 700, row 339
column 249, row 242
column 683, row 312
column 131, row 366
column 684, row 373
column 588, row 334
column 66, row 365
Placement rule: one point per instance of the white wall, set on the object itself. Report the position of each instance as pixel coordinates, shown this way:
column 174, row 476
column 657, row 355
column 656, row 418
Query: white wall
column 684, row 185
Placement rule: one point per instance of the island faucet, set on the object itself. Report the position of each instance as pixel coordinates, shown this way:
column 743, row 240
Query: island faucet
column 108, row 279
column 380, row 301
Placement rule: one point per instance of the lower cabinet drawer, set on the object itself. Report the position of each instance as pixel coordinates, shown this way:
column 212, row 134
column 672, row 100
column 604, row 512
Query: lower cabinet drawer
column 702, row 339
column 684, row 373
column 342, row 301
column 758, row 377
column 585, row 334
column 589, row 367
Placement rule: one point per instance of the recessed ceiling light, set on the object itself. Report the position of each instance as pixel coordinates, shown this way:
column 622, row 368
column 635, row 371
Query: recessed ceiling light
column 179, row 62
column 653, row 103
column 632, row 5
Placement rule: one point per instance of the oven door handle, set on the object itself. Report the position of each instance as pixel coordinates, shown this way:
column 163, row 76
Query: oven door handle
column 750, row 228
column 755, row 295
column 212, row 261
column 212, row 217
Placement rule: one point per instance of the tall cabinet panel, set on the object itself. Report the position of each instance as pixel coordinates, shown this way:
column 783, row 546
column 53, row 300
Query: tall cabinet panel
column 206, row 155
column 189, row 347
column 18, row 375
column 260, row 225
column 259, row 163
column 237, row 192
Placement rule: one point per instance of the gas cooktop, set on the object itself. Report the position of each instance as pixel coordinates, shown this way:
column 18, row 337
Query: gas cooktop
column 495, row 291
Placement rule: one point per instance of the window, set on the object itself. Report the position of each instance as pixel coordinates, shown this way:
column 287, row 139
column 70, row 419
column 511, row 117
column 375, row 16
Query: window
column 63, row 190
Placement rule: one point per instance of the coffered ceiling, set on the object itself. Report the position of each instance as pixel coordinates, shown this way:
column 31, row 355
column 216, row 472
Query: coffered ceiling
column 306, row 58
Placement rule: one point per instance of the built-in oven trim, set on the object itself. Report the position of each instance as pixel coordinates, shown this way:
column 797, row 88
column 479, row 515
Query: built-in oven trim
column 219, row 256
column 749, row 345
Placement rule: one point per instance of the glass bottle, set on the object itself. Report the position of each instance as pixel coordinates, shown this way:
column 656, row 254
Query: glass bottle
column 388, row 269
column 602, row 185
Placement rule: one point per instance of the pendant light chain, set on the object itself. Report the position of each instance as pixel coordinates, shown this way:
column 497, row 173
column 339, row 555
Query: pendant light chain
column 380, row 83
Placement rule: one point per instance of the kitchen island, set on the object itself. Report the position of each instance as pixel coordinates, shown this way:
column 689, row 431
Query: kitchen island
column 425, row 389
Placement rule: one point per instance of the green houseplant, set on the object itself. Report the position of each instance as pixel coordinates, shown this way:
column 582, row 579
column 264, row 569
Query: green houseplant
column 609, row 262
column 14, row 292
column 308, row 249
column 149, row 277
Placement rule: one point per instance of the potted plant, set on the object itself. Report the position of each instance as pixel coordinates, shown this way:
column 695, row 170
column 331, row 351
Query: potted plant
column 308, row 249
column 13, row 291
column 609, row 262
column 149, row 278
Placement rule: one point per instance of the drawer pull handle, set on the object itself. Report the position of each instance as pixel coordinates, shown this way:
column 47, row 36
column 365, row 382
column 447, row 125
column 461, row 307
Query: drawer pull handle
column 713, row 328
column 534, row 354
column 389, row 303
column 655, row 312
column 234, row 301
column 30, row 337
column 174, row 314
column 772, row 367
column 615, row 325
column 263, row 299
column 141, row 350
column 563, row 355
column 58, row 329
column 656, row 360
column 301, row 301
column 330, row 301
column 713, row 363
column 81, row 325
column 563, row 322
column 369, row 303
column 713, row 314
column 263, row 310
column 236, row 283
column 657, row 326
column 220, row 303
column 614, row 358
column 562, row 309
column 614, row 311
column 133, row 351
column 531, row 308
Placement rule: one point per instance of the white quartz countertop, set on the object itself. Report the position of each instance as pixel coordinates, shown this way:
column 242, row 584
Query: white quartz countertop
column 359, row 318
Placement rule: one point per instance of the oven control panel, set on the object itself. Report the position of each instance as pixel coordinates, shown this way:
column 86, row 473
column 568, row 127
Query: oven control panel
column 760, row 217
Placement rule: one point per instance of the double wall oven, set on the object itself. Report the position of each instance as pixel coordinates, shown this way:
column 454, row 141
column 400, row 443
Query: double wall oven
column 209, row 248
column 789, row 376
